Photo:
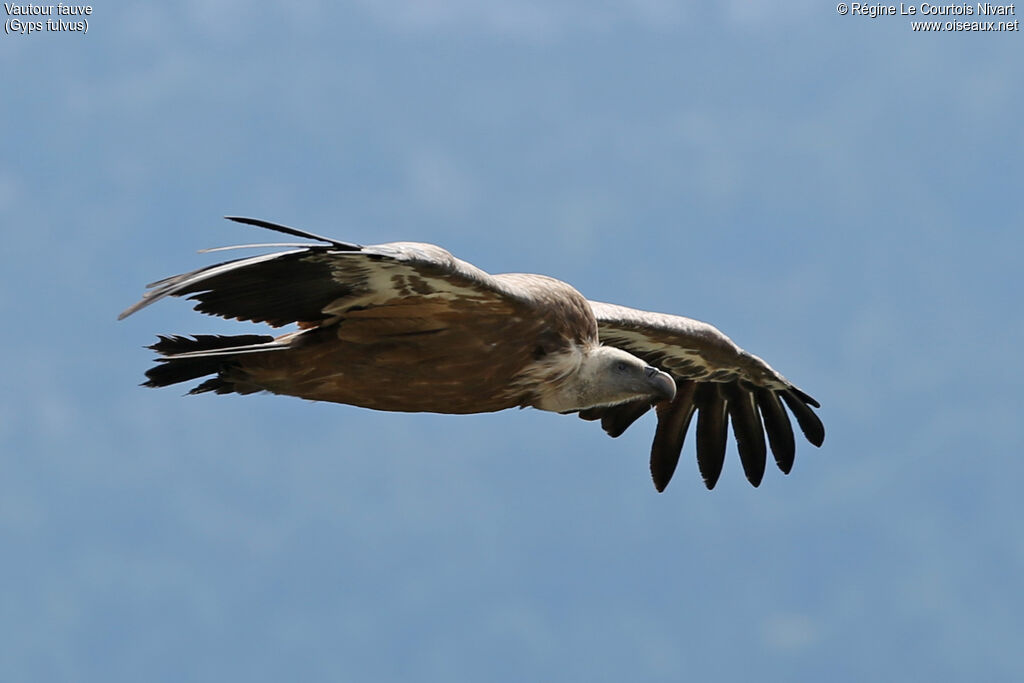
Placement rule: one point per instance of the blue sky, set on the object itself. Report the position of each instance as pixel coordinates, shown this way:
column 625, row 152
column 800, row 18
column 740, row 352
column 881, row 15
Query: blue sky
column 840, row 195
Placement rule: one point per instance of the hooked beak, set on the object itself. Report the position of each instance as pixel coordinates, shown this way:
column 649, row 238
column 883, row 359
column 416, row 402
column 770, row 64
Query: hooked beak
column 662, row 385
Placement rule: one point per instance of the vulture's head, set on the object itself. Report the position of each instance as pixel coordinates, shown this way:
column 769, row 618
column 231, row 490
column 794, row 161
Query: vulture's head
column 609, row 376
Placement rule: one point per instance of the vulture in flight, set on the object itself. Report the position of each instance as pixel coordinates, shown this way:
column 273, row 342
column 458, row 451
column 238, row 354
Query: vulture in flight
column 408, row 327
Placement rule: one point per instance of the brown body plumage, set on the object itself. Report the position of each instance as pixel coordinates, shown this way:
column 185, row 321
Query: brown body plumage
column 425, row 355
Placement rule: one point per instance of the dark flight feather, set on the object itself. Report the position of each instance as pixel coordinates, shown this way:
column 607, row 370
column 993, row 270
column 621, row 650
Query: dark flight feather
column 673, row 421
column 748, row 430
column 712, row 430
column 294, row 232
column 174, row 368
column 778, row 427
column 809, row 423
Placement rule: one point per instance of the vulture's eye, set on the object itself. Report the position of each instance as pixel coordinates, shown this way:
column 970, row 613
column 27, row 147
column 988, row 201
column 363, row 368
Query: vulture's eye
column 621, row 366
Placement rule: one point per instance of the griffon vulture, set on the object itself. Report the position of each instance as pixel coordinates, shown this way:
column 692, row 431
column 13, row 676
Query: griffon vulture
column 408, row 327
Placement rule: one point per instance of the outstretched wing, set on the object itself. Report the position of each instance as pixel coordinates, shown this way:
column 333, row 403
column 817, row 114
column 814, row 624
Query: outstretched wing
column 715, row 379
column 313, row 284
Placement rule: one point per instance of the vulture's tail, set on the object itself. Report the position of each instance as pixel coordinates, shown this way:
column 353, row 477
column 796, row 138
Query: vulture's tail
column 186, row 358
